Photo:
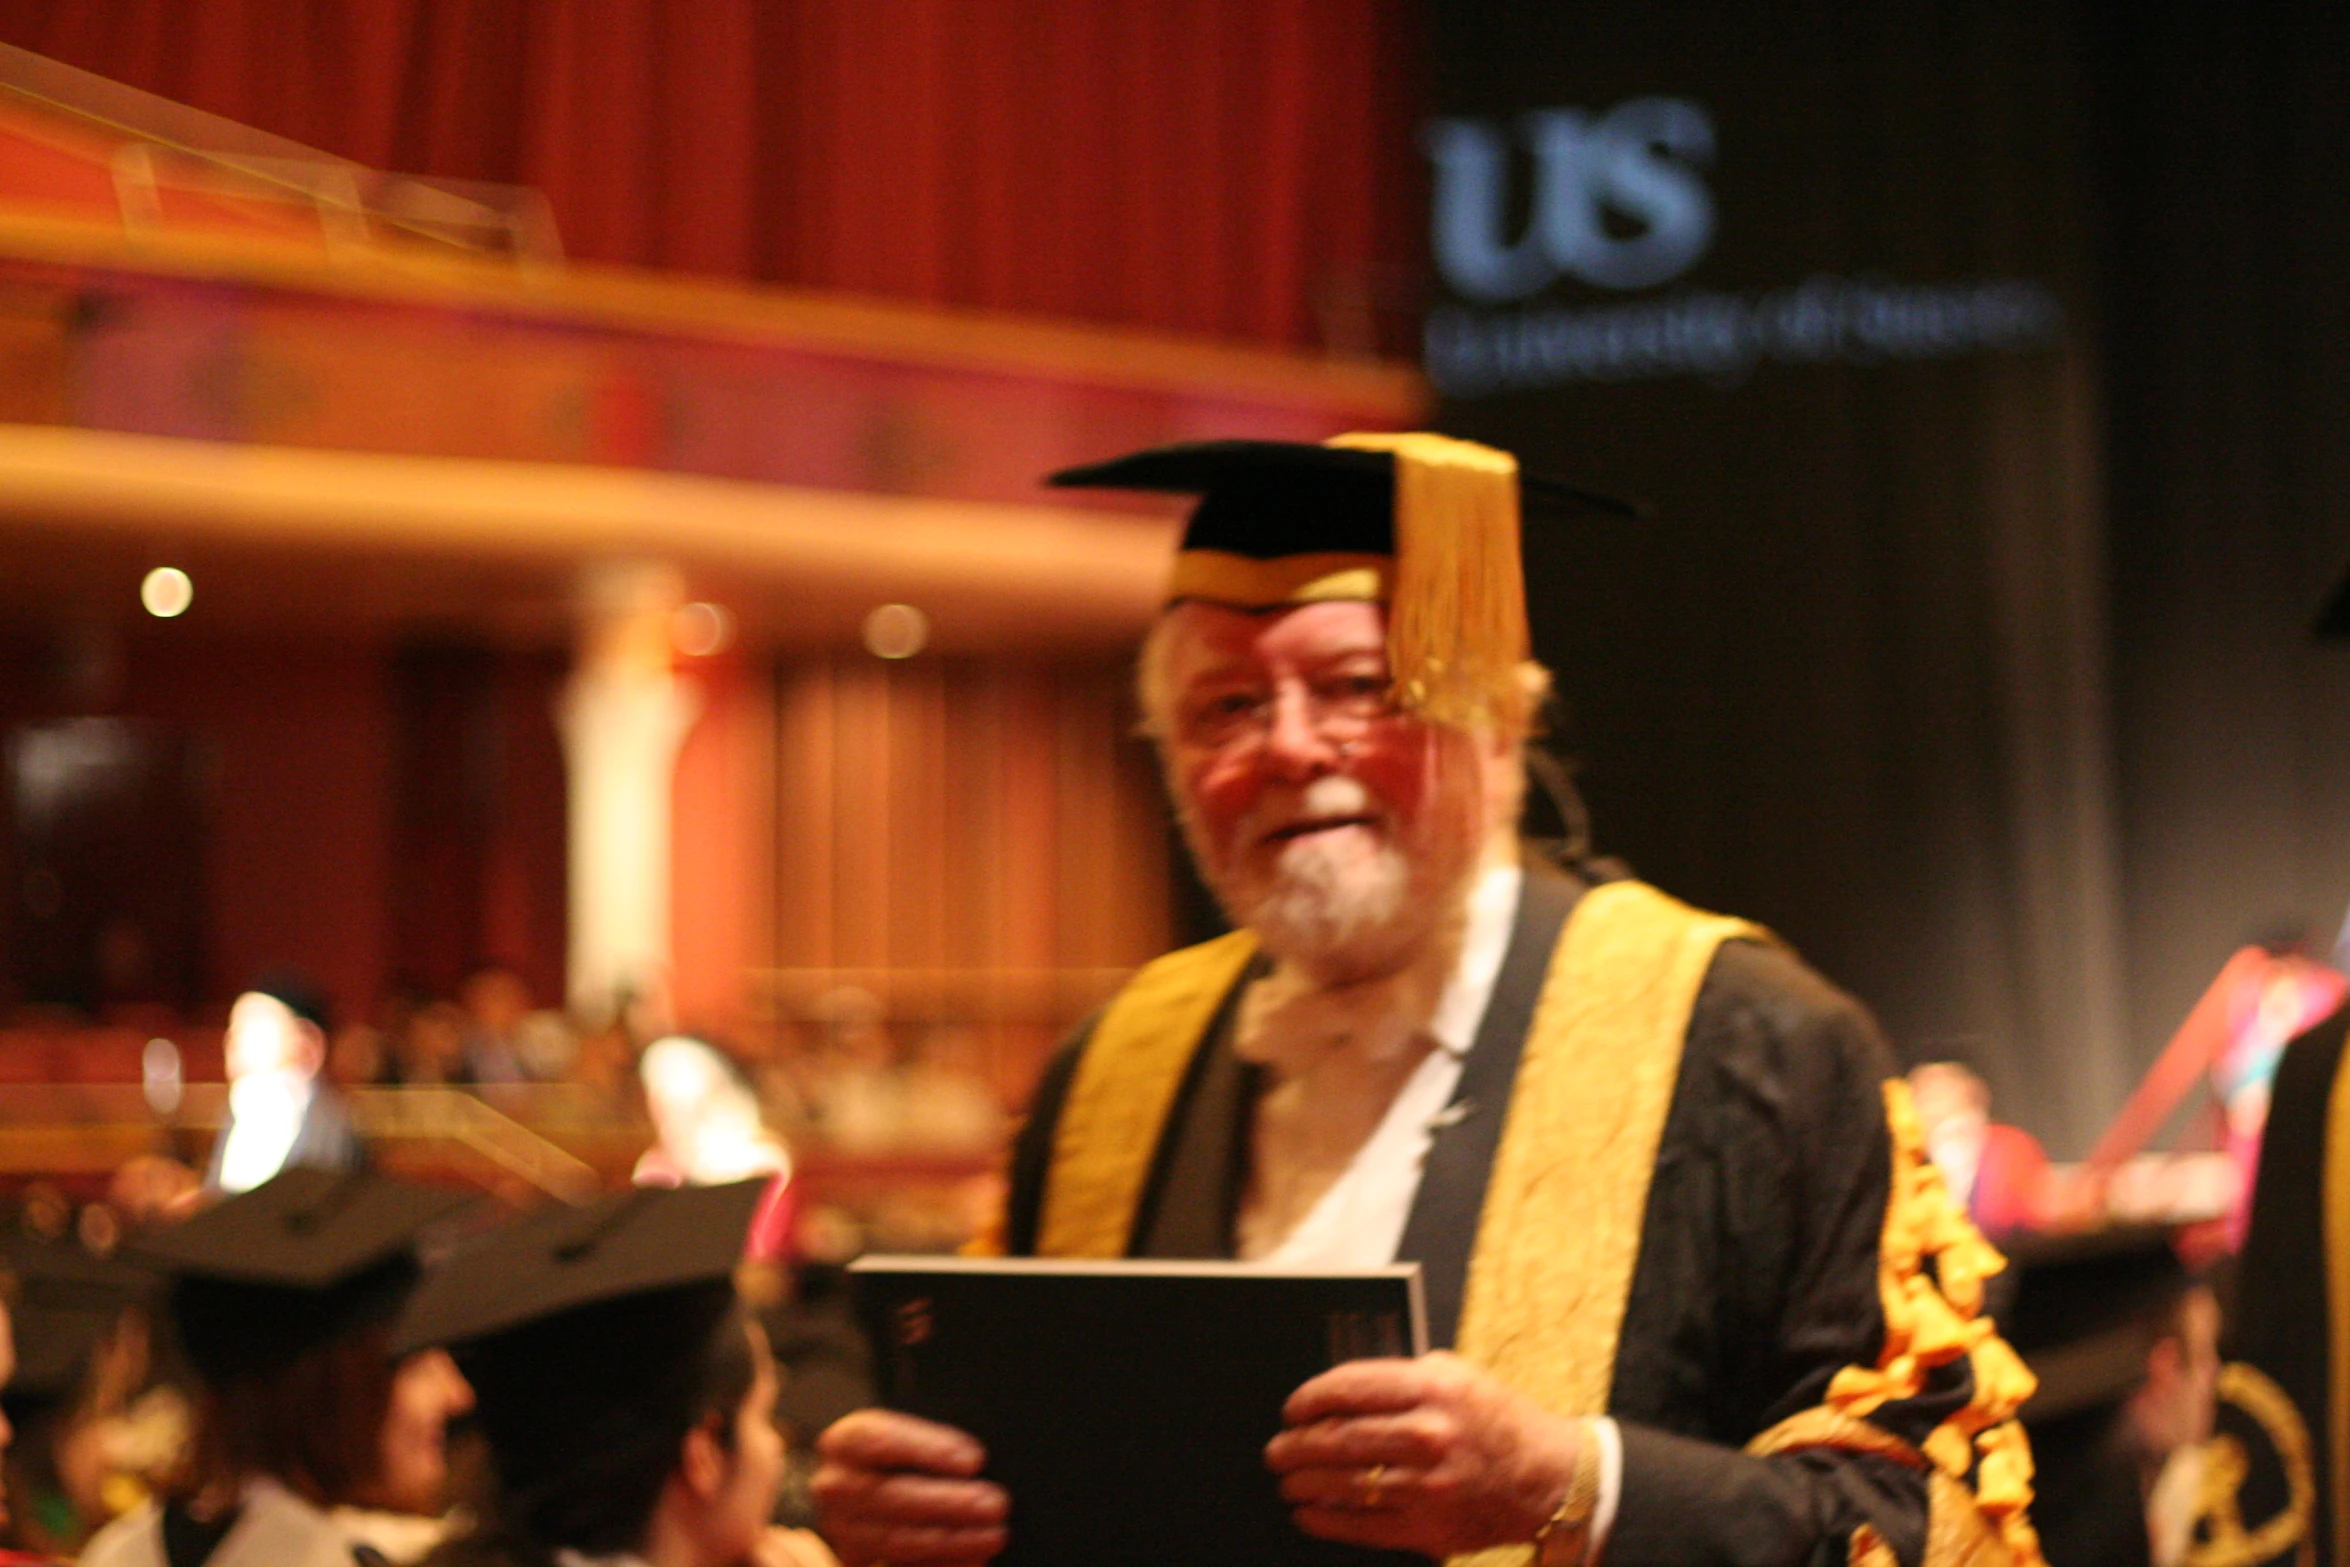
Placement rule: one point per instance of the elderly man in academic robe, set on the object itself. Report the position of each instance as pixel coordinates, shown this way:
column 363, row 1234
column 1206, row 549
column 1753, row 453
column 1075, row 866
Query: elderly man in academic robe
column 1699, row 1295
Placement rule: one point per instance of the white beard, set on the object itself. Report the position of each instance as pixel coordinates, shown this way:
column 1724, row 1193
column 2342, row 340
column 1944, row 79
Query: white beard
column 1355, row 900
column 1325, row 892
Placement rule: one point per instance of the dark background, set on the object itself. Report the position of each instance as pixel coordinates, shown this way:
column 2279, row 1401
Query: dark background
column 1986, row 681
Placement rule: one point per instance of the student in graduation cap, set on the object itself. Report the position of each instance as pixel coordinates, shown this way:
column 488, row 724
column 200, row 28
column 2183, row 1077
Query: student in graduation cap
column 627, row 1396
column 315, row 1445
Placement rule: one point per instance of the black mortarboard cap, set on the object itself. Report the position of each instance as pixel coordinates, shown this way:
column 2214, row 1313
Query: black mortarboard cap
column 63, row 1301
column 297, row 993
column 1267, row 499
column 265, row 1276
column 589, row 1335
column 560, row 1259
column 2087, row 1309
column 1422, row 523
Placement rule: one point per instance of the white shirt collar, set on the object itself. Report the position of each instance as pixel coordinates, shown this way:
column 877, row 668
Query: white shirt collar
column 1493, row 910
column 1360, row 1220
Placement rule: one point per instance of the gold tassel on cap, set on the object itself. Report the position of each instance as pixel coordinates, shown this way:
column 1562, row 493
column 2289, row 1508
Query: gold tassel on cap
column 1456, row 621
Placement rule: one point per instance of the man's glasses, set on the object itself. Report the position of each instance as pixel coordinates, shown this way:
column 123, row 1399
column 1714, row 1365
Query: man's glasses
column 1337, row 707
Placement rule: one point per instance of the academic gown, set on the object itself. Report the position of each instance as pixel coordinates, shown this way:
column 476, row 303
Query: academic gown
column 273, row 1528
column 1757, row 1277
column 485, row 1552
column 2282, row 1469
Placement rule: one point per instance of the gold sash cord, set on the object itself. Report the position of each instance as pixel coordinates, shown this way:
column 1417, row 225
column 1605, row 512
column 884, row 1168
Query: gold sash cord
column 1978, row 1461
column 2220, row 1538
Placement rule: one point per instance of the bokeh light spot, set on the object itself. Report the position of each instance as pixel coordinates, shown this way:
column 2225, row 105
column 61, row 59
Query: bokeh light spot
column 167, row 592
column 700, row 629
column 896, row 631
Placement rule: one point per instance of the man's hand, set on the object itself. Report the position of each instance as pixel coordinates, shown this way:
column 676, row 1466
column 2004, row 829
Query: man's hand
column 1429, row 1455
column 897, row 1490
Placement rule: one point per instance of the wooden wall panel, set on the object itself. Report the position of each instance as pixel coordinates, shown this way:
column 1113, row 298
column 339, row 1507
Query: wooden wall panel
column 723, row 902
column 966, row 846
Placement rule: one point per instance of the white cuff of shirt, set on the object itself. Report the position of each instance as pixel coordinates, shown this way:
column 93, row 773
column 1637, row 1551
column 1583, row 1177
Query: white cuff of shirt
column 1610, row 1443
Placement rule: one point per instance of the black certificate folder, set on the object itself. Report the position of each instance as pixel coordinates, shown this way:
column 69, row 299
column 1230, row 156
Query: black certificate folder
column 1126, row 1405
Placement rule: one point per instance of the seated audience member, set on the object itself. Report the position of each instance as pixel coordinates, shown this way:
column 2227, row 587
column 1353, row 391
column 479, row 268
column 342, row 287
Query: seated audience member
column 359, row 1055
column 949, row 1107
column 856, row 1092
column 2125, row 1343
column 707, row 1126
column 431, row 1049
column 314, row 1445
column 280, row 1113
column 148, row 1189
column 1998, row 1173
column 627, row 1395
column 496, row 1002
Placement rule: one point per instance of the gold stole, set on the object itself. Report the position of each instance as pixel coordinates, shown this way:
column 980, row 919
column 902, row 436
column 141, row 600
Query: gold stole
column 1564, row 1206
column 1568, row 1197
column 1126, row 1083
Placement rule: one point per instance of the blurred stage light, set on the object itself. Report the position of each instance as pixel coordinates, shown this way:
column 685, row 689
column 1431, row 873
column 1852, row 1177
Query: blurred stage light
column 167, row 592
column 700, row 629
column 896, row 631
column 159, row 1071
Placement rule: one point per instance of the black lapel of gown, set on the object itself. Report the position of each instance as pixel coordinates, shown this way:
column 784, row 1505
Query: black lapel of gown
column 1442, row 1225
column 1191, row 1202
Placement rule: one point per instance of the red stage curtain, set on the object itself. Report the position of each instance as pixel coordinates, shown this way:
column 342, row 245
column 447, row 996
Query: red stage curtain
column 1236, row 167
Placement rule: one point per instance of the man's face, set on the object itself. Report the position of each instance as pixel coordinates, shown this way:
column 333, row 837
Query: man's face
column 1339, row 828
column 2174, row 1406
column 1949, row 1102
column 412, row 1449
column 264, row 1035
column 745, row 1501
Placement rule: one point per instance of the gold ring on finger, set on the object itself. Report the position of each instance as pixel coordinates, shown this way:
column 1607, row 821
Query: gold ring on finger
column 1371, row 1483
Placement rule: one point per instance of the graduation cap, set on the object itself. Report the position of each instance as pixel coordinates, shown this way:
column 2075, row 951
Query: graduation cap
column 586, row 1333
column 264, row 1277
column 2087, row 1310
column 560, row 1259
column 1423, row 523
column 63, row 1302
